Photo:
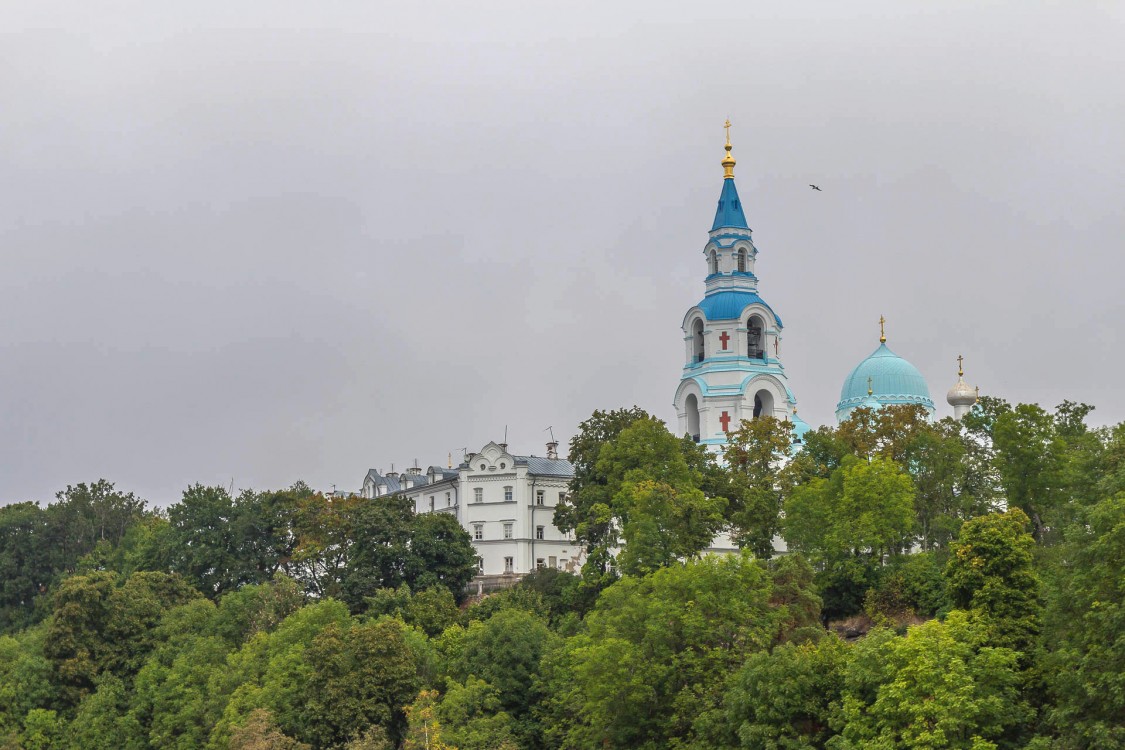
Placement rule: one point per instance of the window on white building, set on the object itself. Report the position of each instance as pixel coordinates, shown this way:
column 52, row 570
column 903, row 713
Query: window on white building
column 480, row 565
column 509, row 564
column 507, row 494
column 538, row 532
column 478, row 531
column 539, row 564
column 507, row 531
column 478, row 494
column 553, row 562
column 539, row 497
column 449, row 500
column 562, row 498
column 431, row 503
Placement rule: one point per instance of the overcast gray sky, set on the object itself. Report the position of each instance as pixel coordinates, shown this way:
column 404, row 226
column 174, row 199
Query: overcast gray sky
column 269, row 241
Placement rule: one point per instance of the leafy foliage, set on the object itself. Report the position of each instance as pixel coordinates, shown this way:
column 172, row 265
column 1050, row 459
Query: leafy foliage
column 288, row 619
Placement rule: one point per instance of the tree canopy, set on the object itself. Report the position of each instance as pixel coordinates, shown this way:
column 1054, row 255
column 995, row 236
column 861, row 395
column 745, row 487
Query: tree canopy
column 901, row 583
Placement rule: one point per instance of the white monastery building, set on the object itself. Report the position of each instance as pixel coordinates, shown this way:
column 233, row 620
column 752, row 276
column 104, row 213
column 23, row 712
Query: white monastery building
column 505, row 502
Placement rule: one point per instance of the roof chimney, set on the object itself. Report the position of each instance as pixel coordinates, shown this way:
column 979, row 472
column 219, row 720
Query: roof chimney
column 552, row 449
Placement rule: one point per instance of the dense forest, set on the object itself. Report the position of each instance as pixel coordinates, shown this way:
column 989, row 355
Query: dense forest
column 946, row 585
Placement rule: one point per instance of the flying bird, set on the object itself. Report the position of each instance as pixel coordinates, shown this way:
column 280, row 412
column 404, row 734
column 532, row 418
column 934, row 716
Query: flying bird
column 814, row 187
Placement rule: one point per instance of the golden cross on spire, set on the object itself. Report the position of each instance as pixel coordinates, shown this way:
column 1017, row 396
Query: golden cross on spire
column 728, row 160
column 869, row 390
column 960, row 369
column 882, row 332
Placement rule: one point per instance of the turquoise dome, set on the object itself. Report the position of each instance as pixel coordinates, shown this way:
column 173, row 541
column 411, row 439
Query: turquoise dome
column 893, row 381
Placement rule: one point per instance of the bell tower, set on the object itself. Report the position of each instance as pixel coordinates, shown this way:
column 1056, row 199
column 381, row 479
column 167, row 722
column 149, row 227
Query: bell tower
column 732, row 338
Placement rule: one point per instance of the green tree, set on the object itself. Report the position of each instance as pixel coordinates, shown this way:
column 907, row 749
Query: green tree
column 424, row 731
column 912, row 585
column 1111, row 476
column 360, row 676
column 936, row 687
column 205, row 543
column 586, row 509
column 943, row 491
column 260, row 733
column 256, row 608
column 393, row 546
column 561, row 593
column 273, row 671
column 28, row 561
column 866, row 508
column 504, row 651
column 431, row 611
column 756, row 455
column 25, row 677
column 890, row 432
column 663, row 523
column 84, row 515
column 781, row 700
column 848, row 525
column 175, row 696
column 98, row 627
column 1030, row 461
column 473, row 716
column 442, row 554
column 645, row 492
column 991, row 574
column 103, row 721
column 323, row 529
column 43, row 729
column 650, row 667
column 1084, row 625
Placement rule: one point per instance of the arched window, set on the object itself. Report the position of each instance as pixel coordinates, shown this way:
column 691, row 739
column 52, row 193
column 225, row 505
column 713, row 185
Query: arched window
column 691, row 403
column 712, row 263
column 763, row 404
column 742, row 260
column 755, row 341
column 697, row 341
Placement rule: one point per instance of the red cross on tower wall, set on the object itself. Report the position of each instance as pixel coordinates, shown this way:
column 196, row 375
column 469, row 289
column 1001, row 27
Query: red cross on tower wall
column 725, row 337
column 724, row 420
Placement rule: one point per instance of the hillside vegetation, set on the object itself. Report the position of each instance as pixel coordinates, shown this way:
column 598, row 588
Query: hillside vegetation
column 987, row 556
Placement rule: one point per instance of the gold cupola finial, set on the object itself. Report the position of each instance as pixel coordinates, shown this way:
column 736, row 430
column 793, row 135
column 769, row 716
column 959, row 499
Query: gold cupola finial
column 728, row 160
column 870, row 391
column 882, row 331
column 960, row 367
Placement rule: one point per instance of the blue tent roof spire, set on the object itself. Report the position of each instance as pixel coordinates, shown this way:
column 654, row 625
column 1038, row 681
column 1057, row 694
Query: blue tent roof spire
column 729, row 213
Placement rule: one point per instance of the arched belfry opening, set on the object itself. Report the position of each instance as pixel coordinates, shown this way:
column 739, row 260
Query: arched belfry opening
column 763, row 404
column 741, row 255
column 697, row 340
column 691, row 404
column 712, row 263
column 755, row 338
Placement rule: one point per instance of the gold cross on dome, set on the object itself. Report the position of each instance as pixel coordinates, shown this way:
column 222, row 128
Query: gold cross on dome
column 960, row 369
column 882, row 332
column 727, row 126
column 869, row 390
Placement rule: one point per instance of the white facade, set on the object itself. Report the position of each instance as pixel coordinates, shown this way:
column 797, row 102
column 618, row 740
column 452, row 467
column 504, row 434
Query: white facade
column 505, row 502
